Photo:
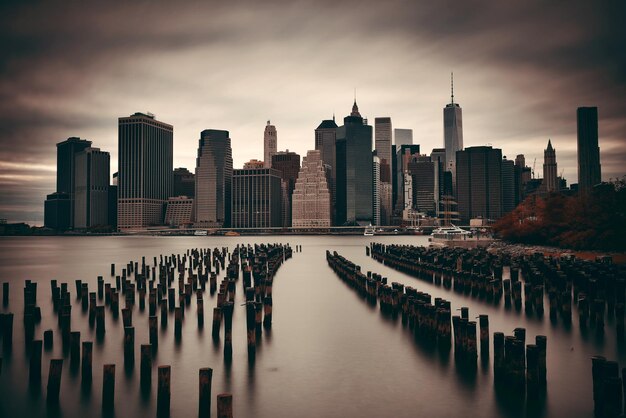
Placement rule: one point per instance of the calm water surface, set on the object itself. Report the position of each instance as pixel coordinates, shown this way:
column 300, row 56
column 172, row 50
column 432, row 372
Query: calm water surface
column 329, row 354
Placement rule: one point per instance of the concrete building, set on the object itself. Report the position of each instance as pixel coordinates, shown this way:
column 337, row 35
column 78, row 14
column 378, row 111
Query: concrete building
column 184, row 182
column 425, row 193
column 91, row 195
column 256, row 198
column 402, row 137
column 452, row 134
column 270, row 144
column 57, row 211
column 311, row 202
column 508, row 186
column 214, row 174
column 325, row 137
column 383, row 138
column 479, row 183
column 376, row 189
column 354, row 171
column 145, row 161
column 550, row 180
column 404, row 153
column 589, row 171
column 179, row 211
column 288, row 163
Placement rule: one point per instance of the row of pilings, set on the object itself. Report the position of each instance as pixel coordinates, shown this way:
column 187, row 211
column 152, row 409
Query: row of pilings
column 169, row 284
column 518, row 367
column 597, row 289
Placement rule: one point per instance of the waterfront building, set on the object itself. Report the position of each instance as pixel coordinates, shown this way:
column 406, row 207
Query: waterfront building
column 91, row 193
column 214, row 173
column 184, row 182
column 179, row 211
column 256, row 198
column 145, row 161
column 325, row 137
column 288, row 164
column 354, row 189
column 589, row 171
column 479, row 183
column 270, row 144
column 311, row 202
column 57, row 211
column 452, row 133
column 550, row 180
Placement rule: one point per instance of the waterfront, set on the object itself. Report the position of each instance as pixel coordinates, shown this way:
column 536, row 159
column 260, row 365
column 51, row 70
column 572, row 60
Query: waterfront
column 328, row 353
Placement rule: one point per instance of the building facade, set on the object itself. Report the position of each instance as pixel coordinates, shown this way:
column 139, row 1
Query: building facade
column 508, row 186
column 270, row 144
column 325, row 137
column 452, row 135
column 403, row 136
column 425, row 193
column 376, row 188
column 214, row 174
column 550, row 180
column 91, row 180
column 288, row 164
column 311, row 200
column 479, row 183
column 256, row 198
column 179, row 211
column 589, row 170
column 184, row 182
column 145, row 176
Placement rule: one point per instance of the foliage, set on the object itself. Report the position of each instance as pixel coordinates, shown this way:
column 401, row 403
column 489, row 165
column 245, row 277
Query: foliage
column 592, row 221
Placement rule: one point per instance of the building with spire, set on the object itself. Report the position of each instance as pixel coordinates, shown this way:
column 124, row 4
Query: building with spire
column 354, row 191
column 311, row 195
column 270, row 144
column 452, row 133
column 550, row 181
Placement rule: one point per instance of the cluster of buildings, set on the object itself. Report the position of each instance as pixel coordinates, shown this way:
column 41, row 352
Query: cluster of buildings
column 357, row 174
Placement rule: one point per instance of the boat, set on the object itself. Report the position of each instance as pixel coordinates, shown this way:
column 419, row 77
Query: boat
column 231, row 234
column 369, row 231
column 201, row 232
column 453, row 236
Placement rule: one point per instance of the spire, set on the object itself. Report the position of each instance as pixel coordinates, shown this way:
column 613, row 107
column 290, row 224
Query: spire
column 333, row 116
column 549, row 144
column 355, row 108
column 452, row 87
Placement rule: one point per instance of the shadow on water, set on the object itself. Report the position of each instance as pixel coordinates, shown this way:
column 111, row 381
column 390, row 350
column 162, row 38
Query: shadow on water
column 516, row 402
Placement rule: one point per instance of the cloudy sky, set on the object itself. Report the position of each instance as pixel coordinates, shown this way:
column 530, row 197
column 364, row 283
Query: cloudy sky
column 521, row 69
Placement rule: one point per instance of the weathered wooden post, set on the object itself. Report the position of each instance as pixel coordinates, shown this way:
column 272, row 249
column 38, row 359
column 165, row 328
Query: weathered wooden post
column 178, row 321
column 129, row 346
column 217, row 320
column 100, row 330
column 206, row 375
column 86, row 369
column 251, row 334
column 224, row 405
column 484, row 335
column 541, row 341
column 228, row 330
column 153, row 332
column 7, row 332
column 54, row 381
column 35, row 362
column 74, row 349
column 5, row 294
column 597, row 371
column 164, row 313
column 163, row 391
column 267, row 314
column 108, row 387
column 127, row 317
column 47, row 339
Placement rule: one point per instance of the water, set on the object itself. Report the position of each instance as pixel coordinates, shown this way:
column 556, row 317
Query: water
column 329, row 354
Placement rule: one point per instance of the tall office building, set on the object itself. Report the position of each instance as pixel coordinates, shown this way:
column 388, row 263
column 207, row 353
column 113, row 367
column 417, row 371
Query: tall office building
column 61, row 213
column 550, row 181
column 404, row 153
column 443, row 181
column 508, row 185
column 179, row 211
column 270, row 144
column 382, row 133
column 589, row 171
column 145, row 163
column 91, row 196
column 288, row 163
column 479, row 183
column 354, row 170
column 425, row 193
column 376, row 188
column 325, row 136
column 184, row 182
column 214, row 173
column 311, row 195
column 256, row 198
column 403, row 136
column 452, row 133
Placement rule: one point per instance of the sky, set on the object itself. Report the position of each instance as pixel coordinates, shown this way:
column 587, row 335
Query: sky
column 521, row 68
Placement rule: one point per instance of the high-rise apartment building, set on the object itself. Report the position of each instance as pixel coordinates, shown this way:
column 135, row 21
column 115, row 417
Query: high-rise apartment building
column 550, row 181
column 325, row 137
column 145, row 163
column 270, row 144
column 311, row 196
column 376, row 189
column 452, row 134
column 589, row 171
column 508, row 186
column 402, row 137
column 425, row 193
column 479, row 183
column 91, row 193
column 256, row 198
column 354, row 170
column 288, row 163
column 214, row 173
column 184, row 182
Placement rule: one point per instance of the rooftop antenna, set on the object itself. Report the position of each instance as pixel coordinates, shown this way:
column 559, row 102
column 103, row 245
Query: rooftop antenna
column 355, row 95
column 452, row 86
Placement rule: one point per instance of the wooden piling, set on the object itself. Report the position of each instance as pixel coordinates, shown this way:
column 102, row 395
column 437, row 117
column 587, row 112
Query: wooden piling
column 146, row 366
column 86, row 363
column 250, row 327
column 108, row 387
column 5, row 294
column 228, row 330
column 7, row 332
column 47, row 339
column 129, row 346
column 127, row 317
column 35, row 362
column 267, row 314
column 205, row 377
column 163, row 391
column 224, row 405
column 74, row 349
column 484, row 335
column 178, row 321
column 100, row 327
column 54, row 381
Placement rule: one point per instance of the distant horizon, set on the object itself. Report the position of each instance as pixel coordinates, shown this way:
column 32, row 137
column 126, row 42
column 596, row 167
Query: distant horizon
column 68, row 70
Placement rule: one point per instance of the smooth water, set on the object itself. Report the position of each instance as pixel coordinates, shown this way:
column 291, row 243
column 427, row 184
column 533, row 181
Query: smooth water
column 329, row 354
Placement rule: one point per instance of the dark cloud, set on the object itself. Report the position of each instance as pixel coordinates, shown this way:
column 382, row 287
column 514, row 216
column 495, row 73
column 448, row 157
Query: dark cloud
column 522, row 68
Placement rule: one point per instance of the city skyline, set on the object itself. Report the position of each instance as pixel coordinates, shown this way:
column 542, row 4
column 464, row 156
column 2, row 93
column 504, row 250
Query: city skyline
column 57, row 85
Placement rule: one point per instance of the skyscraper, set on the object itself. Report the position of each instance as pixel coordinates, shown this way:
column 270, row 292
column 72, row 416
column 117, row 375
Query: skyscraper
column 354, row 170
column 425, row 193
column 383, row 134
column 184, row 182
column 214, row 173
column 452, row 133
column 479, row 183
column 145, row 163
column 589, row 171
column 311, row 196
column 550, row 181
column 270, row 144
column 403, row 156
column 288, row 163
column 256, row 198
column 376, row 189
column 403, row 136
column 325, row 137
column 508, row 185
column 91, row 196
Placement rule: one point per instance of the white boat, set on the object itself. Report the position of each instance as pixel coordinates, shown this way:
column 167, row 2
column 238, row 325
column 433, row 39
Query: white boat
column 201, row 233
column 369, row 231
column 454, row 236
column 451, row 232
